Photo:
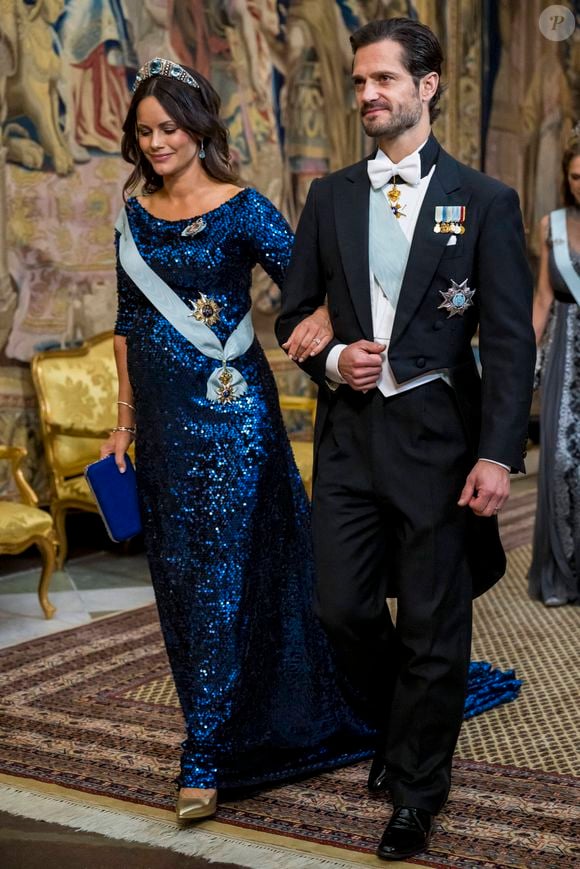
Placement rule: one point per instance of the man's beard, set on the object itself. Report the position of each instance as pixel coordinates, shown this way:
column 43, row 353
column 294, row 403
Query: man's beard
column 394, row 124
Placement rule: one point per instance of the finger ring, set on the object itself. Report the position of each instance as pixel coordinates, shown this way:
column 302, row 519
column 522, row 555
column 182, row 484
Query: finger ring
column 316, row 340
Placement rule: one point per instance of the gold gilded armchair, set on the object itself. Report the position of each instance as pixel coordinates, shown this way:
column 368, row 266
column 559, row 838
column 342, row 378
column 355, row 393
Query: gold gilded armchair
column 77, row 392
column 298, row 405
column 302, row 449
column 24, row 524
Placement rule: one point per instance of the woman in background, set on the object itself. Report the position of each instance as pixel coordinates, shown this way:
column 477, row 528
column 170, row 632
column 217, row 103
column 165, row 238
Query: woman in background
column 225, row 515
column 554, row 576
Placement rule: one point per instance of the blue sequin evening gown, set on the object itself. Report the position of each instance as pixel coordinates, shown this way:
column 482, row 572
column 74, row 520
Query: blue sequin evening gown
column 226, row 518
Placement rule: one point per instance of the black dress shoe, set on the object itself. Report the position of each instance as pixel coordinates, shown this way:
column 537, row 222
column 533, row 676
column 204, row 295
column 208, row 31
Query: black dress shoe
column 378, row 776
column 407, row 833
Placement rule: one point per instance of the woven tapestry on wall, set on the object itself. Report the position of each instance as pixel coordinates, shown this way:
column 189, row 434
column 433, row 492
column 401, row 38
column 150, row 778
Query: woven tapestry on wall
column 282, row 69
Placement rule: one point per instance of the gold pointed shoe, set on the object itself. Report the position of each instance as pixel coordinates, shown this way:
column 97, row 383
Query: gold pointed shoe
column 192, row 808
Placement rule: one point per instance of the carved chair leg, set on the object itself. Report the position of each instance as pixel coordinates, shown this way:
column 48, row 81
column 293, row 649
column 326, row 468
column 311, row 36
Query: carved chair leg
column 48, row 548
column 59, row 517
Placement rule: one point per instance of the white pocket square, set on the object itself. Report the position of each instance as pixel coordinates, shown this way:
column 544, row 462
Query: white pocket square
column 452, row 241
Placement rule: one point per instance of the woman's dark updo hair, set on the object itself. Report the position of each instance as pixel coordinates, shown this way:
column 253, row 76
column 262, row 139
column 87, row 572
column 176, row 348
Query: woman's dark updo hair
column 195, row 110
column 573, row 150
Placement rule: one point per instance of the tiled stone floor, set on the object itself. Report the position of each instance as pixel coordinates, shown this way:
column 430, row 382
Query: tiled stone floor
column 89, row 586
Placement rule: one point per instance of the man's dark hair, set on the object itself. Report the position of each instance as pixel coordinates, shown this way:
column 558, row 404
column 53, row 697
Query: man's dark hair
column 421, row 53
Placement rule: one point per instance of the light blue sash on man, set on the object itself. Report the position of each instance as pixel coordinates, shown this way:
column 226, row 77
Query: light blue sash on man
column 388, row 247
column 180, row 316
column 562, row 252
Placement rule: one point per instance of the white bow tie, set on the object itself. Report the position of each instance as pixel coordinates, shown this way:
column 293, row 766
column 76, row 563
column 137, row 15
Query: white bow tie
column 381, row 170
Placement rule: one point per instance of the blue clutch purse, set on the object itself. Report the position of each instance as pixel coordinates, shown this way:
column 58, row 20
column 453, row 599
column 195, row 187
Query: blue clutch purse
column 116, row 497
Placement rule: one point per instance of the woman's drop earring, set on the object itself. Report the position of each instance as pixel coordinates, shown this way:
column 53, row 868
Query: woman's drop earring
column 202, row 151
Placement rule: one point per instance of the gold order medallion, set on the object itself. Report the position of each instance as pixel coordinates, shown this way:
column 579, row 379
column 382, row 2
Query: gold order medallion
column 205, row 310
column 393, row 195
column 226, row 392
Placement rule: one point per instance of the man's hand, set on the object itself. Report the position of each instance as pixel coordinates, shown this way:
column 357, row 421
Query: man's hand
column 360, row 364
column 486, row 489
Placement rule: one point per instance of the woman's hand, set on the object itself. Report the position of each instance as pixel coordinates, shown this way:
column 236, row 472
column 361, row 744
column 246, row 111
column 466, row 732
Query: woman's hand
column 310, row 336
column 118, row 444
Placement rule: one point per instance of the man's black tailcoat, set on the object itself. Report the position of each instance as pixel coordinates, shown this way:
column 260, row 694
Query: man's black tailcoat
column 330, row 262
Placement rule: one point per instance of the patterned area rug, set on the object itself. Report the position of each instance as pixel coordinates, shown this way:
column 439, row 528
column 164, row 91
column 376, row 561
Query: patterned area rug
column 90, row 725
column 541, row 729
column 517, row 520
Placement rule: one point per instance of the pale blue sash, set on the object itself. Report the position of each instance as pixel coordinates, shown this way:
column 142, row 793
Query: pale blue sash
column 562, row 252
column 178, row 314
column 388, row 247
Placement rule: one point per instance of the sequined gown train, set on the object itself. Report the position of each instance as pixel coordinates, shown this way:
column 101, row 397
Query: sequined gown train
column 226, row 518
column 555, row 570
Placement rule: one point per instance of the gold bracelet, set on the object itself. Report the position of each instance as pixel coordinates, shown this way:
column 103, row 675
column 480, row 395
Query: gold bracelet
column 123, row 428
column 126, row 404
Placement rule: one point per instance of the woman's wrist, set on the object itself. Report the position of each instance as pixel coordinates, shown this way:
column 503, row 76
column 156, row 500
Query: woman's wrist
column 125, row 416
column 126, row 404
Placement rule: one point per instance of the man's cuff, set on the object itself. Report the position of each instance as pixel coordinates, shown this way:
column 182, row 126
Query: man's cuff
column 492, row 462
column 332, row 372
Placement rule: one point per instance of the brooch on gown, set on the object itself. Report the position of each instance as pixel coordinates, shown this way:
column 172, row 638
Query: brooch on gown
column 205, row 310
column 457, row 298
column 194, row 228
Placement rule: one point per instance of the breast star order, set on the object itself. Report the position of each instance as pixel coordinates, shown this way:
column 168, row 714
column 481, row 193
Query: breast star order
column 205, row 310
column 457, row 298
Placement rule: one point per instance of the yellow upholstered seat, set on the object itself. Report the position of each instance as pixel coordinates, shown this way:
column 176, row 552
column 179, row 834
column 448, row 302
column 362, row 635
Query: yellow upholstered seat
column 77, row 393
column 298, row 406
column 302, row 446
column 24, row 524
column 18, row 523
column 74, row 487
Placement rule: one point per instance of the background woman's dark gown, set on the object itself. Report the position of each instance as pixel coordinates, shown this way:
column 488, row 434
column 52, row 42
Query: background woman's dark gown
column 226, row 518
column 555, row 570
